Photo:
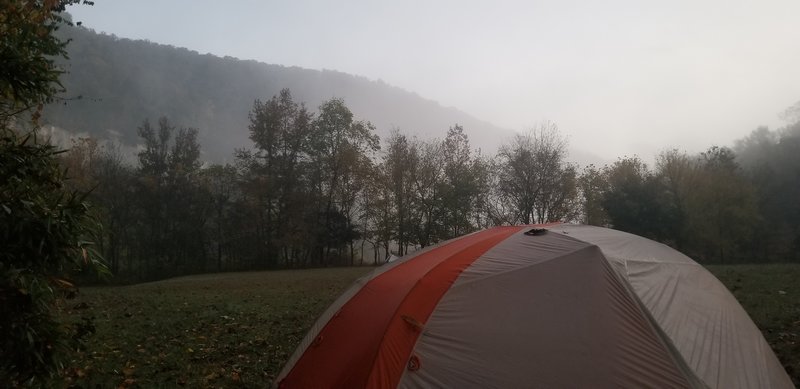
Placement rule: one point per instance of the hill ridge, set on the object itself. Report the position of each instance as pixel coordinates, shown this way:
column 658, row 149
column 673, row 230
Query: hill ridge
column 124, row 81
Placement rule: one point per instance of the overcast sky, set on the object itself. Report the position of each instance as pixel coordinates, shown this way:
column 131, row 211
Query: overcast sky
column 619, row 77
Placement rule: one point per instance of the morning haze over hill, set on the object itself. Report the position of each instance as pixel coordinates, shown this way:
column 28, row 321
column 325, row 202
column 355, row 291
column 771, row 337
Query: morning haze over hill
column 122, row 82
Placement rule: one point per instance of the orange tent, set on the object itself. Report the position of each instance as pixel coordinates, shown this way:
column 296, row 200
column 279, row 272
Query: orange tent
column 565, row 306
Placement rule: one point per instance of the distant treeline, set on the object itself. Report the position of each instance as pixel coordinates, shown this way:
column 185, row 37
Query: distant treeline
column 321, row 189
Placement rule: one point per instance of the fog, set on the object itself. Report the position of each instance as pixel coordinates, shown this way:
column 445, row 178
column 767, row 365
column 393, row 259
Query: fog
column 619, row 78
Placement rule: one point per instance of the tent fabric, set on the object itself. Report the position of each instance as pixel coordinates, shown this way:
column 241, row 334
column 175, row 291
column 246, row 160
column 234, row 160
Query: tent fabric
column 578, row 306
column 359, row 325
column 336, row 306
column 710, row 329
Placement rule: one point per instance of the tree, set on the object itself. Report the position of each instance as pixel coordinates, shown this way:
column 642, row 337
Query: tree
column 726, row 209
column 634, row 200
column 270, row 125
column 46, row 229
column 280, row 129
column 680, row 178
column 397, row 170
column 115, row 197
column 593, row 186
column 81, row 161
column 500, row 207
column 29, row 48
column 154, row 157
column 756, row 149
column 769, row 162
column 559, row 198
column 170, row 199
column 353, row 182
column 220, row 181
column 380, row 220
column 460, row 185
column 535, row 178
column 481, row 170
column 337, row 143
column 427, row 177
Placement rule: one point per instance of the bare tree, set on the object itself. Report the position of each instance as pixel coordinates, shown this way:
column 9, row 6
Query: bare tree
column 535, row 178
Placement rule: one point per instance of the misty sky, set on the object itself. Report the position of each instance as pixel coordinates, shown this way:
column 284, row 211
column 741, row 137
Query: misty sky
column 618, row 77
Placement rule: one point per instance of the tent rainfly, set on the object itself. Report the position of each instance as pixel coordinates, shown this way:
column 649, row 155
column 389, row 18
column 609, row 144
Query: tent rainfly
column 508, row 307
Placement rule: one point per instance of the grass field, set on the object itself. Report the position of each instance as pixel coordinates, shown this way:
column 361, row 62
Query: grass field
column 237, row 329
column 218, row 330
column 771, row 295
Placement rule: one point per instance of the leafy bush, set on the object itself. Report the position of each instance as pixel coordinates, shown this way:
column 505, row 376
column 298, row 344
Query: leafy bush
column 44, row 227
column 44, row 232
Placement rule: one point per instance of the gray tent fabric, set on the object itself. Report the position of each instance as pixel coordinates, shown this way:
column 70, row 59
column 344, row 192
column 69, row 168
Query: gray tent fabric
column 705, row 323
column 473, row 341
column 575, row 307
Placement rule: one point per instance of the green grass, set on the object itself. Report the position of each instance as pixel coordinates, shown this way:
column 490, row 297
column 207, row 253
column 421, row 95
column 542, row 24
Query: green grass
column 218, row 330
column 771, row 296
column 238, row 329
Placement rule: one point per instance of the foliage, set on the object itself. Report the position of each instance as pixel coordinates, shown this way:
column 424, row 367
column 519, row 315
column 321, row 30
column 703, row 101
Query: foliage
column 724, row 210
column 426, row 182
column 721, row 205
column 45, row 227
column 29, row 47
column 397, row 186
column 316, row 190
column 460, row 184
column 770, row 161
column 593, row 187
column 635, row 200
column 703, row 206
column 340, row 151
column 172, row 204
column 101, row 168
column 45, row 231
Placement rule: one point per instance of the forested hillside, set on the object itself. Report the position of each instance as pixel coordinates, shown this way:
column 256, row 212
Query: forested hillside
column 321, row 188
column 113, row 84
column 325, row 180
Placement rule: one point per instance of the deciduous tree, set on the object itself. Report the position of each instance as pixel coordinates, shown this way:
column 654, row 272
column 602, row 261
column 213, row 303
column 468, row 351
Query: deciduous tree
column 535, row 178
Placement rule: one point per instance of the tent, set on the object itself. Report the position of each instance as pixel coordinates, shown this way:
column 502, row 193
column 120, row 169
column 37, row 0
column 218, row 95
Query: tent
column 561, row 306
